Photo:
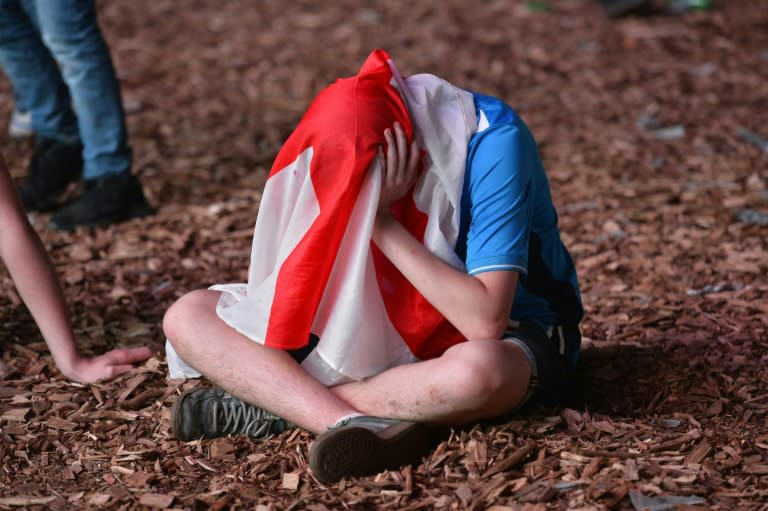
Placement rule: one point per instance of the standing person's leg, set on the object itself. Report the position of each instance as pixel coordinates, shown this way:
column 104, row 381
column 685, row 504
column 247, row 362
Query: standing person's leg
column 111, row 193
column 39, row 87
column 20, row 123
column 34, row 74
column 69, row 29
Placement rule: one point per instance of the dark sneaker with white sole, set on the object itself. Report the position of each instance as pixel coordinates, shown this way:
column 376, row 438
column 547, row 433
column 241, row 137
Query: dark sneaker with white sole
column 53, row 166
column 211, row 413
column 364, row 445
column 104, row 201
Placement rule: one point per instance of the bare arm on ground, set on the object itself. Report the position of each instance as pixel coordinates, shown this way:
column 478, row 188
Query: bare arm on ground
column 35, row 278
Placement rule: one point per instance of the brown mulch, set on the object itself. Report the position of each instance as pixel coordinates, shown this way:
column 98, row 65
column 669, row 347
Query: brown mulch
column 653, row 131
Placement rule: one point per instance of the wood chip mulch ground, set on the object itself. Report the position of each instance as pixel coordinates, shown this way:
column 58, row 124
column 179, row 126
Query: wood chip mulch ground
column 654, row 132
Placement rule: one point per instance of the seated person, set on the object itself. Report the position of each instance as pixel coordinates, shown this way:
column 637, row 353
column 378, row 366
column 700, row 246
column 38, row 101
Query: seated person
column 407, row 272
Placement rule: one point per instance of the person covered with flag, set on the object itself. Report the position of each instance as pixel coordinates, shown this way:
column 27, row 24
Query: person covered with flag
column 407, row 273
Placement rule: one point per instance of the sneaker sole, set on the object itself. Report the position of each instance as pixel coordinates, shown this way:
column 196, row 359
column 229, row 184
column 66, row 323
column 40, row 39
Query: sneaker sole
column 357, row 451
column 20, row 133
column 20, row 126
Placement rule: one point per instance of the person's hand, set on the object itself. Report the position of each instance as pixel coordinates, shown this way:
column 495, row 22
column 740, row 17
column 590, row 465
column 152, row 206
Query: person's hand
column 108, row 365
column 399, row 167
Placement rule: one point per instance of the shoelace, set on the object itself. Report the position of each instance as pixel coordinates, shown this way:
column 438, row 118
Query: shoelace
column 232, row 416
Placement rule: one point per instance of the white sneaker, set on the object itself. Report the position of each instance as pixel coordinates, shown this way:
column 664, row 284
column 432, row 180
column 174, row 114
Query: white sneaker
column 20, row 125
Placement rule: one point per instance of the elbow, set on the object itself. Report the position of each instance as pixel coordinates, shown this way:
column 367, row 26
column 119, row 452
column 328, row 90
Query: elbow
column 491, row 328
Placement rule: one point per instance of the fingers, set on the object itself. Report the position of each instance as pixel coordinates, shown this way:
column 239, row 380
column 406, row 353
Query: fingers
column 391, row 155
column 400, row 161
column 108, row 365
column 383, row 163
column 124, row 356
column 399, row 166
column 413, row 160
column 402, row 146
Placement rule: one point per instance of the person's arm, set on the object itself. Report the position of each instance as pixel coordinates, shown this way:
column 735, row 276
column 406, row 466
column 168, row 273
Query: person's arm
column 478, row 306
column 33, row 274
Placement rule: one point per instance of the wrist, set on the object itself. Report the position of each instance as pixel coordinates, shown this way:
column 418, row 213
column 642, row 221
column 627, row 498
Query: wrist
column 68, row 363
column 384, row 221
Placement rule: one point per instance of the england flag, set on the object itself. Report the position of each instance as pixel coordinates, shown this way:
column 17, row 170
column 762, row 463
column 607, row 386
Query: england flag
column 314, row 269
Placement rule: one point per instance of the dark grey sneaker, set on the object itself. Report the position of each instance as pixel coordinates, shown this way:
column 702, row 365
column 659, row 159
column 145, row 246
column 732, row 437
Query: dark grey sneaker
column 212, row 413
column 365, row 445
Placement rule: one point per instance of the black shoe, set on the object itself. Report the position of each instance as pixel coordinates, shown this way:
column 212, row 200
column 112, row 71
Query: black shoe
column 104, row 201
column 53, row 166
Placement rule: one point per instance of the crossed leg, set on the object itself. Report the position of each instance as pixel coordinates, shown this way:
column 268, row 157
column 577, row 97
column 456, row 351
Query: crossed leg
column 472, row 380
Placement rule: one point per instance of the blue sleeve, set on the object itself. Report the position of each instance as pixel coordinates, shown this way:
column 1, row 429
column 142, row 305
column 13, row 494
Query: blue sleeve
column 500, row 187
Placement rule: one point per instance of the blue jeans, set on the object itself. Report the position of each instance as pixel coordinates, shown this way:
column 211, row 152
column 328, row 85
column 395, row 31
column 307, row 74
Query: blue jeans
column 56, row 58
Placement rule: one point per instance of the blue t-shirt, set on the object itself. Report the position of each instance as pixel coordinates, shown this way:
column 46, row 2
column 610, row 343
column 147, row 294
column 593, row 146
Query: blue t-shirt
column 508, row 220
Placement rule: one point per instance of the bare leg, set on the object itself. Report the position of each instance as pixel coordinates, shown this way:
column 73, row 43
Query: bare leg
column 470, row 381
column 266, row 377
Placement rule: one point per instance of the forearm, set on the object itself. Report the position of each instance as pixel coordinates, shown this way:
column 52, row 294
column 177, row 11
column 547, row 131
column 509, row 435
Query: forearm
column 36, row 281
column 477, row 310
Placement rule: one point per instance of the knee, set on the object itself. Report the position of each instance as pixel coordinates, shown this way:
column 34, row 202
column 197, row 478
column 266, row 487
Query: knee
column 181, row 318
column 481, row 370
